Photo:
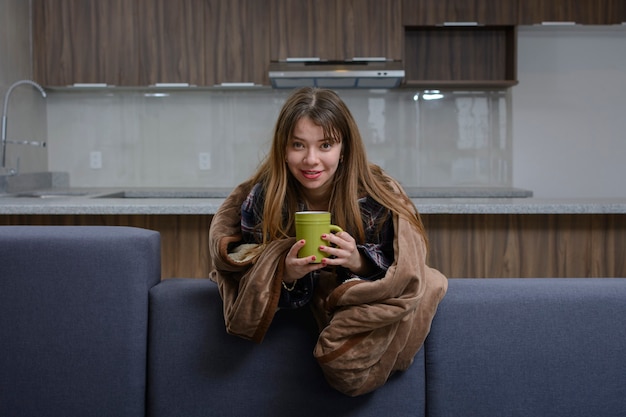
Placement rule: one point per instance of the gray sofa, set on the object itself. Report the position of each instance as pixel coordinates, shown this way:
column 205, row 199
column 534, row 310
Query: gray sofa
column 87, row 329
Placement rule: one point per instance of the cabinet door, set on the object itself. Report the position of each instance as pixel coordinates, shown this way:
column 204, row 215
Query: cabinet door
column 85, row 41
column 303, row 29
column 171, row 41
column 369, row 28
column 592, row 12
column 237, row 46
column 444, row 57
column 439, row 12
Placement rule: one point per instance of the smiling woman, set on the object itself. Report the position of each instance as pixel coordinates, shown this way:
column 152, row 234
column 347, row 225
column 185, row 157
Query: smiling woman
column 317, row 162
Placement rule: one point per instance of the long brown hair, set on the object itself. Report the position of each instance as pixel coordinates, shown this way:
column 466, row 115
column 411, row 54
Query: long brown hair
column 355, row 177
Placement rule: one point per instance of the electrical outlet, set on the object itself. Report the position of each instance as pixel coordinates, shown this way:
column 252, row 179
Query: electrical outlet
column 95, row 160
column 204, row 161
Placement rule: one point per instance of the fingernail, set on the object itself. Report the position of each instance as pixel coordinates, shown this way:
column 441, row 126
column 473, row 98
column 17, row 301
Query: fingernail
column 313, row 258
column 302, row 241
column 324, row 236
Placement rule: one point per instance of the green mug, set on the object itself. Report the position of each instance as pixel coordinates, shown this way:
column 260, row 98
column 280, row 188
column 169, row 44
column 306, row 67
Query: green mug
column 310, row 226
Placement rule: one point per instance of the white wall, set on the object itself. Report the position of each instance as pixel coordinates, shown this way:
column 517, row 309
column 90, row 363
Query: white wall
column 569, row 112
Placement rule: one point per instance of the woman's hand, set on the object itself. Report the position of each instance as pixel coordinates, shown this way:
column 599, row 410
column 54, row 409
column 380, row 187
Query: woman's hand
column 346, row 254
column 296, row 268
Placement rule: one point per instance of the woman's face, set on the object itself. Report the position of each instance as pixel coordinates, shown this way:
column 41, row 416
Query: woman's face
column 312, row 158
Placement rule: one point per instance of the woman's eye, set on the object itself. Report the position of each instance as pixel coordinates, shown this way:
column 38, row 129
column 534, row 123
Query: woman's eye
column 297, row 145
column 327, row 145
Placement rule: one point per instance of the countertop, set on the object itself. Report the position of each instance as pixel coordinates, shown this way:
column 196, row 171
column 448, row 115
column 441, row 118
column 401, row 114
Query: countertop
column 176, row 201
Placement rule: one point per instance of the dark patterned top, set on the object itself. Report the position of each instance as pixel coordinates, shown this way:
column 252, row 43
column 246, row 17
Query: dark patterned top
column 378, row 246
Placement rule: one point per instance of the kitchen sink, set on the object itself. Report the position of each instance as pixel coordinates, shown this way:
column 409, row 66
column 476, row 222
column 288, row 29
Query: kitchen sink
column 48, row 194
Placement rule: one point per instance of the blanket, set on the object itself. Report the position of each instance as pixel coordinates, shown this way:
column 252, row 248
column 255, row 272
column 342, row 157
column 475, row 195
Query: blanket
column 368, row 329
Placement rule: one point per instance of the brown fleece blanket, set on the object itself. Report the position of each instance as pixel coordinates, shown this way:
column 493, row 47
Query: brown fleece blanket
column 369, row 329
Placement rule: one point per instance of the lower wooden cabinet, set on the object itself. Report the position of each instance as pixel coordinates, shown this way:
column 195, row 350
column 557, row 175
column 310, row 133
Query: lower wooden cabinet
column 461, row 245
column 527, row 245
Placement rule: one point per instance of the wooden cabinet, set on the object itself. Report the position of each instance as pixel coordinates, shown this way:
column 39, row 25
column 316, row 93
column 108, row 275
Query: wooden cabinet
column 589, row 12
column 369, row 28
column 145, row 42
column 237, row 44
column 85, row 41
column 461, row 245
column 439, row 12
column 460, row 43
column 204, row 42
column 336, row 30
column 527, row 245
column 171, row 41
column 447, row 57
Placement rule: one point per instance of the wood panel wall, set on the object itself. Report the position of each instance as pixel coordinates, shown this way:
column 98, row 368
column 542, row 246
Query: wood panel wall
column 461, row 245
column 528, row 246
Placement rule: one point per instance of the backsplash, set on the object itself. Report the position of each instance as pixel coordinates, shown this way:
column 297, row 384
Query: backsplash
column 150, row 139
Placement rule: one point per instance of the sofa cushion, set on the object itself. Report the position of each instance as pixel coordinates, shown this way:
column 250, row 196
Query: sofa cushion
column 528, row 347
column 196, row 369
column 73, row 319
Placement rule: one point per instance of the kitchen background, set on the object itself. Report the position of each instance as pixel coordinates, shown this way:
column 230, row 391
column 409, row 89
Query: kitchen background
column 559, row 132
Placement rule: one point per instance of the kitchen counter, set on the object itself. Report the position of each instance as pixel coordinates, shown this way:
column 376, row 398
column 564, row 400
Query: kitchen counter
column 116, row 201
column 468, row 236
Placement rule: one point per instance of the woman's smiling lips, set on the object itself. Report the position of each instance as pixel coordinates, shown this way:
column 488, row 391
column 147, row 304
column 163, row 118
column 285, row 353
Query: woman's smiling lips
column 311, row 175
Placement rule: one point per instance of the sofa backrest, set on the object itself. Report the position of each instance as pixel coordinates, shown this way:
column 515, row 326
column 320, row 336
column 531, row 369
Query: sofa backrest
column 528, row 347
column 196, row 369
column 73, row 319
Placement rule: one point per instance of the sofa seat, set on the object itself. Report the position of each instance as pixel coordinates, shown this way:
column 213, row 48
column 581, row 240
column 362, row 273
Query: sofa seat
column 528, row 347
column 196, row 369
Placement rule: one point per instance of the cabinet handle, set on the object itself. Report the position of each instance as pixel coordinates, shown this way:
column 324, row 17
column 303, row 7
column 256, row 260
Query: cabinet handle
column 460, row 23
column 91, row 85
column 303, row 59
column 236, row 85
column 171, row 85
column 558, row 23
column 370, row 58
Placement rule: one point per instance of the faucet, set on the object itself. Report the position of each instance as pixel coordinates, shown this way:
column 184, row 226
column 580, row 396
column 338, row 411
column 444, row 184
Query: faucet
column 4, row 123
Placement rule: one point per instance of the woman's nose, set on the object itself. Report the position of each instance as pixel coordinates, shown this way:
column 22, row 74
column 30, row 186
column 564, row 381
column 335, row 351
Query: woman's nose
column 310, row 157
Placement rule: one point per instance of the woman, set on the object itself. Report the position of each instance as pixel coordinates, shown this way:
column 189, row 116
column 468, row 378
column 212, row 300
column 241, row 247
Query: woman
column 318, row 162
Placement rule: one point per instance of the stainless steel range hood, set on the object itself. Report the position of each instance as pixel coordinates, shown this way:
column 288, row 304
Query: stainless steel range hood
column 356, row 73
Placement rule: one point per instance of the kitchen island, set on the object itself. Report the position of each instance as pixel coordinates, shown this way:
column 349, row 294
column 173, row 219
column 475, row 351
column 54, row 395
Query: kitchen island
column 469, row 237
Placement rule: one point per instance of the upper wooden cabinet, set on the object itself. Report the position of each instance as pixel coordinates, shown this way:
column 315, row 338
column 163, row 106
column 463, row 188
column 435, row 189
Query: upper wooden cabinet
column 237, row 44
column 85, row 41
column 336, row 30
column 171, row 41
column 145, row 42
column 460, row 43
column 461, row 57
column 440, row 12
column 589, row 12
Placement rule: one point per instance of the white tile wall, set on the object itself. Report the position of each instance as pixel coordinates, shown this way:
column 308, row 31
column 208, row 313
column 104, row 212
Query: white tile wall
column 155, row 141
